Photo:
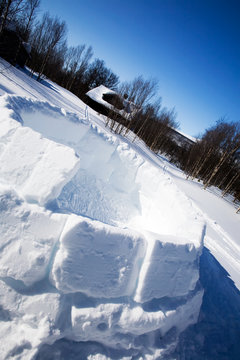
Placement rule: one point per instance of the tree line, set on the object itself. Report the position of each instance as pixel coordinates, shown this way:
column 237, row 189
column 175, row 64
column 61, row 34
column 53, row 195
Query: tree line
column 213, row 159
column 71, row 67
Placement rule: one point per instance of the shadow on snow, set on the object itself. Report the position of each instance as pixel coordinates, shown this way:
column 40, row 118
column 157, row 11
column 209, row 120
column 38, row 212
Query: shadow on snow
column 217, row 332
column 215, row 336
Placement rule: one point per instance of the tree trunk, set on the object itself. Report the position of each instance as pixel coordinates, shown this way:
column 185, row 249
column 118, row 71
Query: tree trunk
column 222, row 160
column 200, row 164
column 224, row 178
column 231, row 182
column 44, row 64
column 4, row 19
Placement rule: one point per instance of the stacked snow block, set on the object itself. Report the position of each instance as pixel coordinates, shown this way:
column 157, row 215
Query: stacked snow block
column 117, row 258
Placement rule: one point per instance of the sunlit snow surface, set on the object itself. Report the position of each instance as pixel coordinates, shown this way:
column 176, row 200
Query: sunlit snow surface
column 100, row 246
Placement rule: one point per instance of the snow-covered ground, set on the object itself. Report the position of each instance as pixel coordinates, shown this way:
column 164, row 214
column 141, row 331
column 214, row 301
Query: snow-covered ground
column 107, row 251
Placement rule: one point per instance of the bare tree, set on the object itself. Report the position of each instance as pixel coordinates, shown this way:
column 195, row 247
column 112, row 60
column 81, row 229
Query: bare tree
column 205, row 153
column 139, row 91
column 28, row 17
column 55, row 64
column 228, row 149
column 231, row 183
column 161, row 131
column 98, row 74
column 11, row 10
column 48, row 33
column 4, row 8
column 77, row 60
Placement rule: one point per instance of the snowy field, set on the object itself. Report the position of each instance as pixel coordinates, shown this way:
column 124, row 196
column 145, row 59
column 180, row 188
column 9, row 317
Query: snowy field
column 107, row 251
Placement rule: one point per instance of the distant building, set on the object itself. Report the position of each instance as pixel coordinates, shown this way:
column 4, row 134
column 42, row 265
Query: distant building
column 181, row 139
column 106, row 101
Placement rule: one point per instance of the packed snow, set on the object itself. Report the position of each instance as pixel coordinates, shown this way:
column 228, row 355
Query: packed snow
column 105, row 247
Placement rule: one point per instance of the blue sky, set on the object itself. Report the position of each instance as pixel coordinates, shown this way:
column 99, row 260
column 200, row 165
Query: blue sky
column 192, row 47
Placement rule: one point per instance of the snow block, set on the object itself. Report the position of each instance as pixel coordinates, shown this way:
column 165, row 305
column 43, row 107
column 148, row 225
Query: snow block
column 97, row 259
column 28, row 235
column 95, row 323
column 113, row 323
column 165, row 210
column 7, row 124
column 170, row 268
column 37, row 167
column 26, row 322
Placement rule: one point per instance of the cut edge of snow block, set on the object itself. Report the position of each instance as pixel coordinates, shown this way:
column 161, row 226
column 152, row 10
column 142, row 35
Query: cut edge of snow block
column 171, row 265
column 110, row 322
column 36, row 167
column 97, row 259
column 29, row 234
column 57, row 166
